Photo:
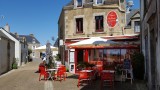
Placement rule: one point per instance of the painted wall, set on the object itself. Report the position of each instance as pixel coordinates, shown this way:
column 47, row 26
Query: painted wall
column 5, row 52
column 24, row 53
column 17, row 47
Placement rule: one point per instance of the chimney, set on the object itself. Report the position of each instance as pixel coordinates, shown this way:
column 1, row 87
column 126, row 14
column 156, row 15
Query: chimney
column 31, row 35
column 7, row 27
column 16, row 34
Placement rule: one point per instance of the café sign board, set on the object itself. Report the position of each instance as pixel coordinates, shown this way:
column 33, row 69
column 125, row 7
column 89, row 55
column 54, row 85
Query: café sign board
column 112, row 19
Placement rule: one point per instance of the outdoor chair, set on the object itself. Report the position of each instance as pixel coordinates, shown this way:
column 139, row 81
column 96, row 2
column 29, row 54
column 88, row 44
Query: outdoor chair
column 99, row 67
column 83, row 76
column 59, row 74
column 64, row 71
column 127, row 74
column 42, row 71
column 107, row 78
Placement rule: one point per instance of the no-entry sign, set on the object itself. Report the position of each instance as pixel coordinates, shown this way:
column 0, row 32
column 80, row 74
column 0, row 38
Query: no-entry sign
column 112, row 19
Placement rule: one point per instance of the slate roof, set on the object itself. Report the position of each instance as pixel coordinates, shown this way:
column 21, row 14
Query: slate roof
column 29, row 38
column 130, row 15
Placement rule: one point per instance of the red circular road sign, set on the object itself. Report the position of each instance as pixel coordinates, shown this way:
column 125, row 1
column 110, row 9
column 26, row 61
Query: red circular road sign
column 111, row 19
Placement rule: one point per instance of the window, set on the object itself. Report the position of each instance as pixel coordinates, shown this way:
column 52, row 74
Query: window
column 137, row 26
column 99, row 23
column 33, row 54
column 33, row 40
column 79, row 25
column 99, row 1
column 79, row 3
column 33, row 47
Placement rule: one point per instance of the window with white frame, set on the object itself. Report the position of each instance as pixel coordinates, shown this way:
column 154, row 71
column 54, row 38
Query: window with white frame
column 79, row 3
column 79, row 25
column 99, row 1
column 137, row 26
column 33, row 47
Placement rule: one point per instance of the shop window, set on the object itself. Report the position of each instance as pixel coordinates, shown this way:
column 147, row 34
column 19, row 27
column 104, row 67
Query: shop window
column 79, row 25
column 99, row 23
column 79, row 3
column 113, row 55
column 137, row 26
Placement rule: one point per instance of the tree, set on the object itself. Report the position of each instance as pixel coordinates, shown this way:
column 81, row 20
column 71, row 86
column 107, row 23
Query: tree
column 29, row 57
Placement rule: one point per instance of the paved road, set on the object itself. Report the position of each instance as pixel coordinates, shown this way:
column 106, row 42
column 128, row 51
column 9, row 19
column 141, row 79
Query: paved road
column 25, row 78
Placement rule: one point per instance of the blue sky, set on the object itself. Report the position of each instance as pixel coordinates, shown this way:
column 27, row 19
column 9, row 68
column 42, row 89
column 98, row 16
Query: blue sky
column 39, row 17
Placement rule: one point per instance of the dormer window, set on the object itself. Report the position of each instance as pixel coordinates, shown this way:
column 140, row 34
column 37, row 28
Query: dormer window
column 79, row 3
column 99, row 1
column 33, row 40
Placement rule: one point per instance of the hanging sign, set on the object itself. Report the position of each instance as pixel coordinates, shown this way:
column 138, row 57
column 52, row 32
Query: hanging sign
column 112, row 19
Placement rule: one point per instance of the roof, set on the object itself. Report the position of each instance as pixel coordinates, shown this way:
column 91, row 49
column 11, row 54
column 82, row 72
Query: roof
column 10, row 34
column 130, row 15
column 30, row 38
column 3, row 35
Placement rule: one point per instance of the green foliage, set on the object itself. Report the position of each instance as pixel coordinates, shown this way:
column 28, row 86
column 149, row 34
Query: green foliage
column 14, row 64
column 58, row 57
column 29, row 51
column 138, row 65
column 83, row 65
column 50, row 64
column 118, row 69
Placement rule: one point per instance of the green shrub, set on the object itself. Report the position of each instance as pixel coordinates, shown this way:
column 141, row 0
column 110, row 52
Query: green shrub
column 14, row 64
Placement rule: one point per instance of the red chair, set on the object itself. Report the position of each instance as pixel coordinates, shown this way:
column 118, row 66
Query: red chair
column 59, row 74
column 107, row 77
column 42, row 71
column 64, row 71
column 83, row 76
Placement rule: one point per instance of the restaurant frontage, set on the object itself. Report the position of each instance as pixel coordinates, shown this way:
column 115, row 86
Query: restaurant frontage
column 101, row 54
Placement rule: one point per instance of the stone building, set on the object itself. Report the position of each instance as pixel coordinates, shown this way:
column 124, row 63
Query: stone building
column 150, row 38
column 83, row 19
column 33, row 43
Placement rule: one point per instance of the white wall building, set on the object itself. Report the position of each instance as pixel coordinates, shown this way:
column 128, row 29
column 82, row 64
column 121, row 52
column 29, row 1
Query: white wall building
column 7, row 53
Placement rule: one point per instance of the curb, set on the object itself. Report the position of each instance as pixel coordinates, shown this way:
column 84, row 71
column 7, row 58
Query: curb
column 5, row 74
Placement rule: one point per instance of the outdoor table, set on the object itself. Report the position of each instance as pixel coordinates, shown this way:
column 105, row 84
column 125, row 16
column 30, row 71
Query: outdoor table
column 111, row 71
column 50, row 71
column 88, row 71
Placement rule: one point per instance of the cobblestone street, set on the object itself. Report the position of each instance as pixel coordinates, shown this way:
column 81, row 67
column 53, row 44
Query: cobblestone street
column 25, row 78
